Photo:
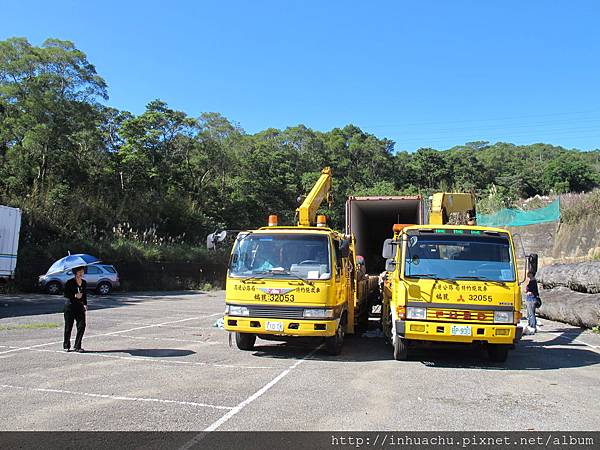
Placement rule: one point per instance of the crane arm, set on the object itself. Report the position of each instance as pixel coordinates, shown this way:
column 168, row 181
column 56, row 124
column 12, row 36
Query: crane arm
column 307, row 211
column 445, row 203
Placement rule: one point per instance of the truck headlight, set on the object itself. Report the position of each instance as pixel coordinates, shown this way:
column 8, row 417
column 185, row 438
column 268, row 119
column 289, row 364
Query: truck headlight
column 503, row 317
column 417, row 313
column 234, row 310
column 318, row 313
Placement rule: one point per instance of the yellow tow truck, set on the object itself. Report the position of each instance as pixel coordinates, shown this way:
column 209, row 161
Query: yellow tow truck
column 302, row 280
column 451, row 283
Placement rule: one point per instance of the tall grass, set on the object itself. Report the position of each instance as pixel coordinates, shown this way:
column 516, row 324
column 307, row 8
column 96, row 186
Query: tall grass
column 574, row 207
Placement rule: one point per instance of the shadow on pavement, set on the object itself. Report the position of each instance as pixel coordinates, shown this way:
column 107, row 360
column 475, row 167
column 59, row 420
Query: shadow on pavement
column 566, row 336
column 528, row 355
column 148, row 352
column 556, row 353
column 355, row 350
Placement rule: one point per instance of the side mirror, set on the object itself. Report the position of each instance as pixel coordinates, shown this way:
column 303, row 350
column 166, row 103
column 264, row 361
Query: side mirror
column 210, row 242
column 213, row 238
column 389, row 249
column 532, row 263
column 345, row 248
column 390, row 265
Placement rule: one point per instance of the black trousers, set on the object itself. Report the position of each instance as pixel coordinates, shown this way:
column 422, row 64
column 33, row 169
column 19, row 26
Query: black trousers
column 71, row 315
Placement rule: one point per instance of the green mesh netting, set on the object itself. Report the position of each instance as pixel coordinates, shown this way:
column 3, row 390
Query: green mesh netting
column 516, row 218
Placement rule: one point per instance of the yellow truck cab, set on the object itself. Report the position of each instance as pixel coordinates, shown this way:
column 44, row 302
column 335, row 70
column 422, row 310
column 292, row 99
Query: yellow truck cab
column 451, row 284
column 289, row 281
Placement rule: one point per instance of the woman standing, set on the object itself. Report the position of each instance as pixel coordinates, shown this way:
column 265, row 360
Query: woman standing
column 531, row 297
column 75, row 309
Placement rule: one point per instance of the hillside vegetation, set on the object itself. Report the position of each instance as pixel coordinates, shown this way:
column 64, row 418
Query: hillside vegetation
column 151, row 186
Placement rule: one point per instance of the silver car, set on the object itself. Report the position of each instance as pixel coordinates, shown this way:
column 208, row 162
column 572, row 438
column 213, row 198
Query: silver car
column 102, row 278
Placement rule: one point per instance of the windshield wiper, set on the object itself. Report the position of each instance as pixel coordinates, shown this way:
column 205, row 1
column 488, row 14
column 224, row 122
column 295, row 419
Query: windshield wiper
column 433, row 276
column 478, row 278
column 287, row 272
column 256, row 276
column 470, row 277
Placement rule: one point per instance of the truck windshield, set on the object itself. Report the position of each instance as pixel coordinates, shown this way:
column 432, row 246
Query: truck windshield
column 459, row 257
column 281, row 256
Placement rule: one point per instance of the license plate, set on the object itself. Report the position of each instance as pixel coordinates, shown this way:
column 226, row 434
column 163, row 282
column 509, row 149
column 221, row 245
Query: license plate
column 276, row 326
column 460, row 330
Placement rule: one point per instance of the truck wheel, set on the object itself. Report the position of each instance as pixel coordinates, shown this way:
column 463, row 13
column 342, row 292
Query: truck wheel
column 334, row 344
column 245, row 341
column 53, row 288
column 104, row 288
column 497, row 352
column 400, row 349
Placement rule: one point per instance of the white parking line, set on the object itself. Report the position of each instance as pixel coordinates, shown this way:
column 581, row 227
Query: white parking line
column 188, row 328
column 166, row 326
column 142, row 309
column 562, row 336
column 158, row 324
column 115, row 397
column 253, row 397
column 144, row 358
column 172, row 326
column 151, row 338
column 111, row 333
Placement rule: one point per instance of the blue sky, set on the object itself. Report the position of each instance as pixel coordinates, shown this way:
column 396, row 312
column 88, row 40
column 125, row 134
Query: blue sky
column 422, row 73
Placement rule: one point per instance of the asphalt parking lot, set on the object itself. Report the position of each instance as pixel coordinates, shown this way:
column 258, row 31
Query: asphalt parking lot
column 155, row 361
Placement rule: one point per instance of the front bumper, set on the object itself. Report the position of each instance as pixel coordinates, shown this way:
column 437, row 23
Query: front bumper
column 291, row 327
column 441, row 332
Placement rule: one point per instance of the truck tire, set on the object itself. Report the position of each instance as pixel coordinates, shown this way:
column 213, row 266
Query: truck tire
column 53, row 288
column 245, row 341
column 497, row 352
column 400, row 349
column 334, row 344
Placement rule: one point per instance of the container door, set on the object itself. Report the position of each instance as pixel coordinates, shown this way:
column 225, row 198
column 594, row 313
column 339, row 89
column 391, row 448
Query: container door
column 348, row 218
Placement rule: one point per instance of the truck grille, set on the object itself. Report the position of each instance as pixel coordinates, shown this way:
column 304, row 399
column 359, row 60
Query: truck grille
column 277, row 312
column 459, row 315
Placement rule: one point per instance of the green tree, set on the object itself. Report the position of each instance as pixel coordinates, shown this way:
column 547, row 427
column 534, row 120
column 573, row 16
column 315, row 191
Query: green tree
column 569, row 173
column 49, row 137
column 430, row 169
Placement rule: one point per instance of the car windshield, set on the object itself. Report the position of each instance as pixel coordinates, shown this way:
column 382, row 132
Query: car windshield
column 281, row 256
column 459, row 257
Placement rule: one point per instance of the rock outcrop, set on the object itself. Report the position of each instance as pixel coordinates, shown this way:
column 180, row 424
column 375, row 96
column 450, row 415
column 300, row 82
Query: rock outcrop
column 575, row 308
column 580, row 277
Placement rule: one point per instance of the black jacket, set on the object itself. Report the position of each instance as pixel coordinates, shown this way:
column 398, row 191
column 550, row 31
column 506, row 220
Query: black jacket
column 71, row 289
column 532, row 287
